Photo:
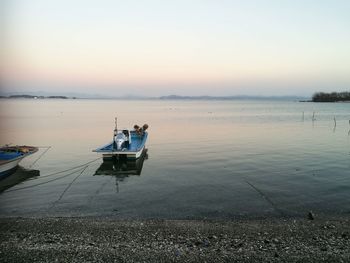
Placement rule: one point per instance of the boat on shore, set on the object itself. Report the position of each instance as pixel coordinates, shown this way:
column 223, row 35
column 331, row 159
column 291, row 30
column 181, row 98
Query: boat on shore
column 10, row 156
column 126, row 143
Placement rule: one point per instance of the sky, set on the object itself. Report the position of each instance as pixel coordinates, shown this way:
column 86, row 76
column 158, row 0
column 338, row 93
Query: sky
column 184, row 47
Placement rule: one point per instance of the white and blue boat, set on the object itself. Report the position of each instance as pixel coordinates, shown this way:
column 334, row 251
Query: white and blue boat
column 126, row 143
column 10, row 156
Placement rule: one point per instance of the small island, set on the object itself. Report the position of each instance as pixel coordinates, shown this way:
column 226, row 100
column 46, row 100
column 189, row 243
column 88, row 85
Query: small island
column 331, row 97
column 25, row 96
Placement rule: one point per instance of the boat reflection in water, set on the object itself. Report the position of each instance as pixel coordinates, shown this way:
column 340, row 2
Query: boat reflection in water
column 18, row 176
column 121, row 167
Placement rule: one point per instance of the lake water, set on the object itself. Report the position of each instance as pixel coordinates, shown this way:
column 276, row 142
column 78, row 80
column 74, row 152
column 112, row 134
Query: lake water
column 206, row 159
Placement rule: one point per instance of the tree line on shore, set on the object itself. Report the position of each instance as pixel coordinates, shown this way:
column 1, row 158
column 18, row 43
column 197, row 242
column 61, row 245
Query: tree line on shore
column 331, row 97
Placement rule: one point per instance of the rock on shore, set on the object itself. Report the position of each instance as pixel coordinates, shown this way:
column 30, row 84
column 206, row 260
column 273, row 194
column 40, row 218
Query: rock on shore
column 108, row 240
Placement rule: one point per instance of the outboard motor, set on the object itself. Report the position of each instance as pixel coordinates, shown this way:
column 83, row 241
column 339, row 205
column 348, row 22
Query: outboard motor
column 128, row 138
column 121, row 141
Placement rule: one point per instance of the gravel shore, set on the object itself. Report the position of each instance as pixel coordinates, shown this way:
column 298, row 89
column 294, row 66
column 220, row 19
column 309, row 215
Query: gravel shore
column 110, row 240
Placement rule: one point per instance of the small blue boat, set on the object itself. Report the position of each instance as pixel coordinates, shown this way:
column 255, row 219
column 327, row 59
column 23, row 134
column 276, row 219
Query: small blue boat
column 10, row 156
column 126, row 143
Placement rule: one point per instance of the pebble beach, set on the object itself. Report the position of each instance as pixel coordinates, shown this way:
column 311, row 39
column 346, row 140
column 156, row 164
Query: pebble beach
column 111, row 240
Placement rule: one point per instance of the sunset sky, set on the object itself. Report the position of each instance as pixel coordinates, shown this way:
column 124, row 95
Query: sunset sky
column 184, row 47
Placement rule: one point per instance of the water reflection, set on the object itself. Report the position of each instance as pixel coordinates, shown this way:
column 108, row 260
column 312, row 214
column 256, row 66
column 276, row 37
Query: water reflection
column 192, row 175
column 19, row 175
column 122, row 167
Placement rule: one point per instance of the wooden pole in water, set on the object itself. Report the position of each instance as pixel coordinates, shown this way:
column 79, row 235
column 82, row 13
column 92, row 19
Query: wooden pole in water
column 313, row 116
column 335, row 122
column 303, row 116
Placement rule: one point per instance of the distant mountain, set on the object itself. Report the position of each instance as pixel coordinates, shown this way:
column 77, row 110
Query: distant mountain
column 25, row 96
column 42, row 94
column 239, row 97
column 47, row 95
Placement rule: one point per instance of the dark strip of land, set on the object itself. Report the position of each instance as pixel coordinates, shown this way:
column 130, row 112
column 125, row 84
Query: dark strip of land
column 331, row 97
column 24, row 96
column 108, row 240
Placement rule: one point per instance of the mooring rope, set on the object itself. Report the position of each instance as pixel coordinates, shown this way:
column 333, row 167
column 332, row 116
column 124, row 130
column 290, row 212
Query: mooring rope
column 70, row 184
column 85, row 165
column 34, row 185
column 41, row 155
column 265, row 197
column 72, row 168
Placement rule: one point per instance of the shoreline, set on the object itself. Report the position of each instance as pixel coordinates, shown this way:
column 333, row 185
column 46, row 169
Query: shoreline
column 106, row 239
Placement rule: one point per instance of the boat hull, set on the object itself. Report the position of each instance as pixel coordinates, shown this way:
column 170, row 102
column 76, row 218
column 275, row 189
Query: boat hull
column 9, row 167
column 127, row 155
column 122, row 167
column 10, row 156
column 133, row 152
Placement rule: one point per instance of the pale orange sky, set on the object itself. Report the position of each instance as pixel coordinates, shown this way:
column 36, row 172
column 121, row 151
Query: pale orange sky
column 183, row 47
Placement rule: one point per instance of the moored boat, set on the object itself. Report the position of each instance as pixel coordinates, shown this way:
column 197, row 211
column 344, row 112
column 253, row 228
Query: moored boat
column 126, row 143
column 122, row 167
column 10, row 156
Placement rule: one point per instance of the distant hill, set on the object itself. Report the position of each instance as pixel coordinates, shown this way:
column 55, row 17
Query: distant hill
column 241, row 97
column 169, row 97
column 57, row 97
column 21, row 97
column 25, row 96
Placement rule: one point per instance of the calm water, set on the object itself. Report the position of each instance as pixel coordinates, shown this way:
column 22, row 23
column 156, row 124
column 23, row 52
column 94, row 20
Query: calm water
column 206, row 159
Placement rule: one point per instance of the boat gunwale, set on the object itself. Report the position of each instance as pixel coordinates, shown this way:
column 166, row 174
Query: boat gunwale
column 142, row 145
